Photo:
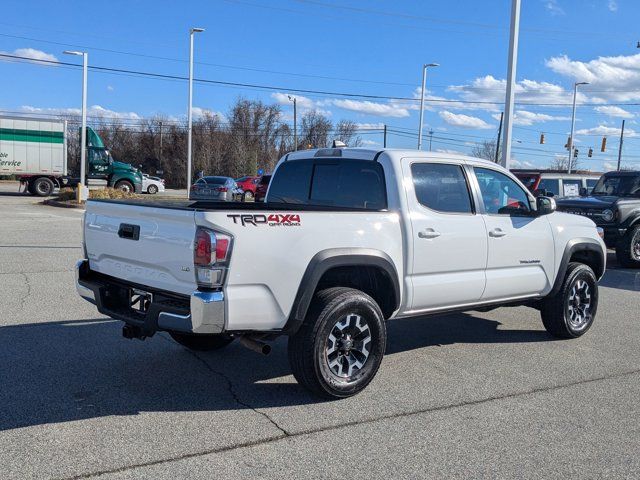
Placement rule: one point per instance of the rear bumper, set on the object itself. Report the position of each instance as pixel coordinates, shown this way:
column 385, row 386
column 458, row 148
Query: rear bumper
column 200, row 313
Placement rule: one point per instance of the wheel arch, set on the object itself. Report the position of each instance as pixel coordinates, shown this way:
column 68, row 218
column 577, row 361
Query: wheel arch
column 369, row 270
column 583, row 250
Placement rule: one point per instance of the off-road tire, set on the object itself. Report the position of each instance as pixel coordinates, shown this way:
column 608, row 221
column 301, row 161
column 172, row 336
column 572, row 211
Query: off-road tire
column 152, row 189
column 42, row 187
column 202, row 343
column 125, row 186
column 308, row 347
column 247, row 196
column 627, row 252
column 555, row 309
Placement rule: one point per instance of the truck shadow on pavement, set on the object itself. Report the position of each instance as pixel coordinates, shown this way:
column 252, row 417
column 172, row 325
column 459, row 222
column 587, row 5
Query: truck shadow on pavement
column 67, row 371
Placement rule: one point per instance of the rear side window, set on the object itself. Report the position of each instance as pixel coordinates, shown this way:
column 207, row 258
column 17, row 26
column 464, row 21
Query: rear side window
column 441, row 187
column 340, row 183
column 551, row 185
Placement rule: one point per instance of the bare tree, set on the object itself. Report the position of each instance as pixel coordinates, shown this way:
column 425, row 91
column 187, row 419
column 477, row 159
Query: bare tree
column 347, row 132
column 315, row 130
column 561, row 162
column 486, row 150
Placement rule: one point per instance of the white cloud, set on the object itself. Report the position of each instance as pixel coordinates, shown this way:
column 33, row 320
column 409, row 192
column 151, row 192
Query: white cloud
column 450, row 151
column 369, row 143
column 612, row 5
column 526, row 118
column 606, row 131
column 370, row 126
column 96, row 111
column 372, row 108
column 110, row 88
column 553, row 8
column 32, row 54
column 614, row 111
column 464, row 121
column 521, row 163
column 302, row 102
column 610, row 78
column 199, row 112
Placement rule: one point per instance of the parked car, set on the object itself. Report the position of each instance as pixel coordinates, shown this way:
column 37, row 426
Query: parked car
column 347, row 239
column 219, row 189
column 614, row 205
column 151, row 184
column 248, row 185
column 262, row 187
column 555, row 183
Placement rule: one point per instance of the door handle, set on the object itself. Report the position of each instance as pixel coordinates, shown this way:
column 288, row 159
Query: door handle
column 497, row 233
column 428, row 233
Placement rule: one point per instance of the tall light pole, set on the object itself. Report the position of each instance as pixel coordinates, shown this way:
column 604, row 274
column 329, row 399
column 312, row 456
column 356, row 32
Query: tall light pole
column 190, row 121
column 424, row 84
column 573, row 122
column 83, row 132
column 295, row 122
column 511, row 83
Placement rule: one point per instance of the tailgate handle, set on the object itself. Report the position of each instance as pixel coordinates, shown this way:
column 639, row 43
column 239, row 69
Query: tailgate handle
column 126, row 230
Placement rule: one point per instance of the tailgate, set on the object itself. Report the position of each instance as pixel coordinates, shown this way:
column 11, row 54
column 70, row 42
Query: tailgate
column 150, row 246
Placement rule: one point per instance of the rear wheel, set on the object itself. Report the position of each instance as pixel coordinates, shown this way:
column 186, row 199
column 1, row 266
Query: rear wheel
column 571, row 312
column 339, row 347
column 152, row 189
column 247, row 196
column 628, row 248
column 201, row 343
column 42, row 187
column 125, row 186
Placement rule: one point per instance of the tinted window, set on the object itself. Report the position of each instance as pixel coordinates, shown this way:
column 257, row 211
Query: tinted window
column 291, row 183
column 441, row 187
column 242, row 179
column 500, row 194
column 215, row 180
column 551, row 185
column 591, row 182
column 342, row 183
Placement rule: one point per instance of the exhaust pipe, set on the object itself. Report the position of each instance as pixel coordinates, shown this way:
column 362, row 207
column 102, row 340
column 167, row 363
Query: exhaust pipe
column 255, row 345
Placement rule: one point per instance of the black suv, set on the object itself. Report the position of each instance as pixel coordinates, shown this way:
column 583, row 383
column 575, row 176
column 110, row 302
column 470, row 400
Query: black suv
column 614, row 205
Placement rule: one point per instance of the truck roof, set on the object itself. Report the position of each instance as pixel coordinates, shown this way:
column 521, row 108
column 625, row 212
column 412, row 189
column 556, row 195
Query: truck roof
column 373, row 153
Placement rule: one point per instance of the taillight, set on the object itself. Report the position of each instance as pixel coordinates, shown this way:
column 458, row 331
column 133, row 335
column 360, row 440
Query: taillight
column 222, row 189
column 211, row 254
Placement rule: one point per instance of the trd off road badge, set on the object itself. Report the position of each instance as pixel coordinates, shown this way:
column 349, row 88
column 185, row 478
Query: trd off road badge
column 272, row 220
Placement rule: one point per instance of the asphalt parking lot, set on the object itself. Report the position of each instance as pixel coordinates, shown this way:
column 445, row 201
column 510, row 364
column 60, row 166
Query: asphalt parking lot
column 473, row 395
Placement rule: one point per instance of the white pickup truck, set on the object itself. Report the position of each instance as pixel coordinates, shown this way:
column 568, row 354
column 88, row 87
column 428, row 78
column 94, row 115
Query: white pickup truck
column 347, row 239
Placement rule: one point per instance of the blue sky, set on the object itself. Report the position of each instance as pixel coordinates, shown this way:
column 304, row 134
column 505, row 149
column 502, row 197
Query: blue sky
column 371, row 47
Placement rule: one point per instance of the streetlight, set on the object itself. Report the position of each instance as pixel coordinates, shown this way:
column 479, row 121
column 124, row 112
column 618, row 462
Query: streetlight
column 191, row 32
column 83, row 133
column 424, row 83
column 295, row 123
column 573, row 122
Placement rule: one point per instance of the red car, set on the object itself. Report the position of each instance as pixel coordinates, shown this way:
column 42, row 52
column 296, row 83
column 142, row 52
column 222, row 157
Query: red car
column 248, row 185
column 261, row 188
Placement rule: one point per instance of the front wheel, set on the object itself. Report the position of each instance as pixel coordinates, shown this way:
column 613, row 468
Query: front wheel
column 571, row 312
column 339, row 347
column 43, row 187
column 628, row 249
column 202, row 343
column 152, row 189
column 125, row 185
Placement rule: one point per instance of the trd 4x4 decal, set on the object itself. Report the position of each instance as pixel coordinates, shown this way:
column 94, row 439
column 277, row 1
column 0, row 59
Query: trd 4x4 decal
column 273, row 219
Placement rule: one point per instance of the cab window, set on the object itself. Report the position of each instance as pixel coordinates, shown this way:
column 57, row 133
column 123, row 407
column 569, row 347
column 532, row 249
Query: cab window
column 441, row 187
column 550, row 185
column 500, row 194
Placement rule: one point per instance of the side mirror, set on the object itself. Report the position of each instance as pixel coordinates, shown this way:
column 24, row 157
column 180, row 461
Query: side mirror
column 545, row 205
column 583, row 192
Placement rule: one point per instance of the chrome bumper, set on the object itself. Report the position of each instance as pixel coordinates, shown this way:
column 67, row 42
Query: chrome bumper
column 207, row 311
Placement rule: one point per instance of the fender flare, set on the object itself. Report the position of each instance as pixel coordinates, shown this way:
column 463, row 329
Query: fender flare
column 325, row 260
column 573, row 246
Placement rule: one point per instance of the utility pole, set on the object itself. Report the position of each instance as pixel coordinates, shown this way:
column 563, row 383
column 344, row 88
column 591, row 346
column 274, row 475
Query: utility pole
column 620, row 146
column 430, row 138
column 189, row 115
column 160, row 156
column 511, row 82
column 499, row 134
column 573, row 122
column 424, row 84
column 384, row 141
column 295, row 122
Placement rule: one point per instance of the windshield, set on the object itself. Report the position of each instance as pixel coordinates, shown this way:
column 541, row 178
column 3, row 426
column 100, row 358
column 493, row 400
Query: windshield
column 618, row 185
column 527, row 180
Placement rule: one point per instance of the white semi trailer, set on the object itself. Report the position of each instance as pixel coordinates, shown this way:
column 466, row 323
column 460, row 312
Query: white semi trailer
column 35, row 151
